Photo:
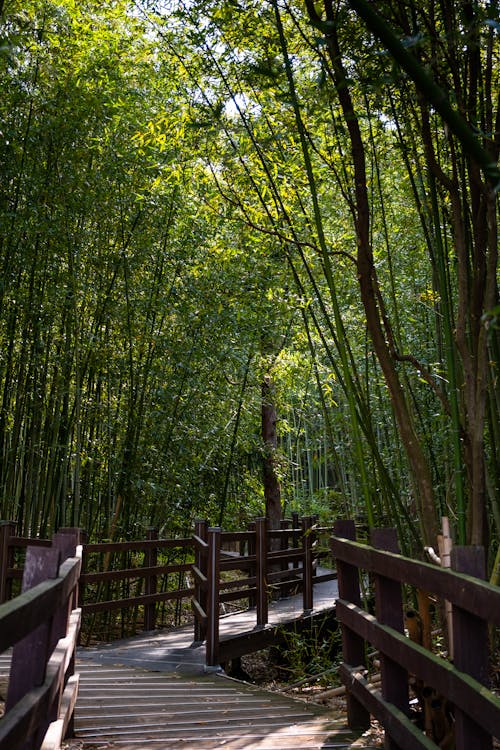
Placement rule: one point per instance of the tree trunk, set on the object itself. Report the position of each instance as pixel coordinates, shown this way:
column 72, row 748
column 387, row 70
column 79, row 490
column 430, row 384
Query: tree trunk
column 272, row 489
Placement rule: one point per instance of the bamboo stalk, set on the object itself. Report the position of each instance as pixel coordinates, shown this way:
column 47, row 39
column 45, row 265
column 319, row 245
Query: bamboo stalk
column 445, row 544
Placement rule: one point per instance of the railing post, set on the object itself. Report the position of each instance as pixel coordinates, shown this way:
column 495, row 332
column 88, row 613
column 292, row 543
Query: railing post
column 150, row 561
column 252, row 571
column 7, row 530
column 353, row 645
column 200, row 591
column 307, row 563
column 470, row 639
column 284, row 526
column 65, row 541
column 389, row 611
column 285, row 588
column 261, row 571
column 213, row 596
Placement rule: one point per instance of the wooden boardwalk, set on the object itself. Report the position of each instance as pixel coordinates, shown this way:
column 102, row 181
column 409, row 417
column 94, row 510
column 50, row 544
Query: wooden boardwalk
column 152, row 691
column 127, row 709
column 174, row 651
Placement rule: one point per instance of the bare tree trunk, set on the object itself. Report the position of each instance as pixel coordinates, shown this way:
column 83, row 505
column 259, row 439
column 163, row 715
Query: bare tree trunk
column 272, row 489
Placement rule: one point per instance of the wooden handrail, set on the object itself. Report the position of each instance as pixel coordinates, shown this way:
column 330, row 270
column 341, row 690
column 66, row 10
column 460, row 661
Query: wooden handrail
column 464, row 683
column 444, row 582
column 139, row 545
column 199, row 543
column 144, row 572
column 42, row 626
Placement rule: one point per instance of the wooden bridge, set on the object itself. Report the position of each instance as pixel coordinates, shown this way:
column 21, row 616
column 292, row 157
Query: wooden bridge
column 164, row 689
column 153, row 690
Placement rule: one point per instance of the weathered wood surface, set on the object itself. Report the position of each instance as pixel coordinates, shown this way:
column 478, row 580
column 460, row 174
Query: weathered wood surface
column 470, row 594
column 136, row 709
column 178, row 706
column 41, row 689
column 465, row 683
column 20, row 617
column 124, row 708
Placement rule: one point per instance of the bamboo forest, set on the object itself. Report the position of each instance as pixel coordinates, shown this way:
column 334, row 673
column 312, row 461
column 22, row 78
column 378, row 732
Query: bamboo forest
column 249, row 265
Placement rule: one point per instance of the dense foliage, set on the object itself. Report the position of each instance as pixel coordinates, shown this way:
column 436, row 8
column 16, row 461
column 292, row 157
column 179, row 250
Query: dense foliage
column 212, row 209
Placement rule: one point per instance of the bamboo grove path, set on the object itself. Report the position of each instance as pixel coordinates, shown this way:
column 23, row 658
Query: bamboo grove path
column 161, row 690
column 152, row 691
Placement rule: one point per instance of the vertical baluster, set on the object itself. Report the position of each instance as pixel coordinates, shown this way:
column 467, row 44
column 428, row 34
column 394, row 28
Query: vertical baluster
column 252, row 570
column 261, row 571
column 213, row 596
column 150, row 561
column 307, row 563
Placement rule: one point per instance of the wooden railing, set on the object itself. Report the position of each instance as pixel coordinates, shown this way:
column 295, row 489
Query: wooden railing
column 138, row 576
column 212, row 568
column 271, row 561
column 461, row 687
column 42, row 625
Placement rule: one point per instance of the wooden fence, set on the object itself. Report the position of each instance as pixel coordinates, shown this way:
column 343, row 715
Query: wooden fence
column 248, row 568
column 133, row 577
column 42, row 625
column 207, row 569
column 273, row 562
column 461, row 686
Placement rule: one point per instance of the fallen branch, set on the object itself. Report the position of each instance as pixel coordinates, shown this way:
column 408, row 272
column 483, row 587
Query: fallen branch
column 306, row 680
column 338, row 691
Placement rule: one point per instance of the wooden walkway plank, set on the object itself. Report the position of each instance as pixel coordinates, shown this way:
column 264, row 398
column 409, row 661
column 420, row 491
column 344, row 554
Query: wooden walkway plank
column 152, row 691
column 134, row 708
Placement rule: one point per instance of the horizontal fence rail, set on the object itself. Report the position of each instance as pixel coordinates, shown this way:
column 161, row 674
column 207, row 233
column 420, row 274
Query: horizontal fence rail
column 42, row 626
column 460, row 688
